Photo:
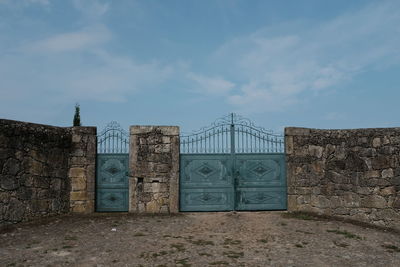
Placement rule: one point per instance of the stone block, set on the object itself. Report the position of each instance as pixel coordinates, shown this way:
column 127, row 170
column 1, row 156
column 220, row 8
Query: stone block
column 16, row 210
column 374, row 201
column 76, row 138
column 376, row 142
column 315, row 151
column 78, row 195
column 162, row 168
column 372, row 174
column 387, row 173
column 141, row 207
column 319, row 201
column 292, row 203
column 78, row 152
column 388, row 191
column 380, row 162
column 296, row 131
column 289, row 145
column 77, row 172
column 351, row 199
column 153, row 207
column 396, row 203
column 8, row 182
column 159, row 187
column 78, row 207
column 78, row 184
column 164, row 209
column 166, row 139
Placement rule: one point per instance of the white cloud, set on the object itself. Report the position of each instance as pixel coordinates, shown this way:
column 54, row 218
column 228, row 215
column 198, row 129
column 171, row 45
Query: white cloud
column 210, row 85
column 276, row 68
column 71, row 41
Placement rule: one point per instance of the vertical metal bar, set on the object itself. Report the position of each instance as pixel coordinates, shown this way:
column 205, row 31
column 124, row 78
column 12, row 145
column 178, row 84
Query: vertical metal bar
column 218, row 140
column 108, row 147
column 119, row 143
column 232, row 137
column 242, row 139
column 213, row 132
column 198, row 143
column 247, row 140
column 112, row 140
column 263, row 145
column 251, row 141
column 227, row 139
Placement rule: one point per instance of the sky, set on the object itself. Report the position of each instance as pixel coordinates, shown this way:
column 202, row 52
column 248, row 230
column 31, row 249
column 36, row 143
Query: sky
column 311, row 63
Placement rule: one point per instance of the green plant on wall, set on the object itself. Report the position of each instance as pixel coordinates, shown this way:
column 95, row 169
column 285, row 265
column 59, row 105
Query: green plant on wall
column 77, row 116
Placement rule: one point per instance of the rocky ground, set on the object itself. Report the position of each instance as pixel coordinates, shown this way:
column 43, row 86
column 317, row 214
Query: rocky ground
column 197, row 239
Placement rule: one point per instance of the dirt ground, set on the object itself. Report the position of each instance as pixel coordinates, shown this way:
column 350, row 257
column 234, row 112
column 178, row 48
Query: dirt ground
column 197, row 239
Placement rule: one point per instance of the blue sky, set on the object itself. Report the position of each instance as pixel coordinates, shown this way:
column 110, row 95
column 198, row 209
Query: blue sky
column 320, row 64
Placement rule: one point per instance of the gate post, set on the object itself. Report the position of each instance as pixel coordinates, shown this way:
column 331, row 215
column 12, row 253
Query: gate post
column 154, row 169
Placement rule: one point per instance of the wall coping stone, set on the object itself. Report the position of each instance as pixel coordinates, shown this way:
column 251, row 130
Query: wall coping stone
column 143, row 129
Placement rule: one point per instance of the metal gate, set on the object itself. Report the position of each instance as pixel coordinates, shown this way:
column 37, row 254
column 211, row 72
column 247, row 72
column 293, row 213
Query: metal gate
column 112, row 169
column 232, row 165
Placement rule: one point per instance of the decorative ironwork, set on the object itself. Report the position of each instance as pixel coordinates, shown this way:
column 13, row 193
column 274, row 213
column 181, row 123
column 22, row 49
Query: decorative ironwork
column 113, row 139
column 232, row 134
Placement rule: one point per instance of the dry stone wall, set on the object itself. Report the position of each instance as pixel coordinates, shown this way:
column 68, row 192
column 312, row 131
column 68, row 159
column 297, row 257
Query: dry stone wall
column 349, row 173
column 154, row 165
column 37, row 165
column 82, row 169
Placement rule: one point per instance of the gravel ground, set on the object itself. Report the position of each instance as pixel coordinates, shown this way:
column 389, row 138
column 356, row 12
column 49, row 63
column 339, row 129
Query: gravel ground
column 197, row 239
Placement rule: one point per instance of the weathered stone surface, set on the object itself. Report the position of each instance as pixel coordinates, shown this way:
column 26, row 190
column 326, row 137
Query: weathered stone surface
column 81, row 195
column 33, row 179
column 154, row 164
column 37, row 163
column 349, row 173
column 82, row 171
column 78, row 184
column 77, row 172
column 387, row 173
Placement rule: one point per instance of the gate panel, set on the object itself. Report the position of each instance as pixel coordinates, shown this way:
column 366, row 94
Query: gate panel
column 232, row 165
column 112, row 182
column 206, row 182
column 112, row 169
column 260, row 182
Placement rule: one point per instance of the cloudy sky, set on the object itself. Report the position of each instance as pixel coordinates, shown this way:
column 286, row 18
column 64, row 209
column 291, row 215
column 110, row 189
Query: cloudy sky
column 320, row 64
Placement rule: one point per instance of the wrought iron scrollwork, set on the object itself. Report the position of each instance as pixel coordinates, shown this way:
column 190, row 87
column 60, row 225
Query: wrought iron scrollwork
column 113, row 139
column 232, row 134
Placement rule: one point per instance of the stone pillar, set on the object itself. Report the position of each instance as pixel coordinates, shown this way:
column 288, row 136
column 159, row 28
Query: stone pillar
column 82, row 172
column 154, row 167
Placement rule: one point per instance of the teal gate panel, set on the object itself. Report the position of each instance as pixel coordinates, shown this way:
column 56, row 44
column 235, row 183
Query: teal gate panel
column 260, row 182
column 112, row 192
column 112, row 182
column 232, row 165
column 206, row 183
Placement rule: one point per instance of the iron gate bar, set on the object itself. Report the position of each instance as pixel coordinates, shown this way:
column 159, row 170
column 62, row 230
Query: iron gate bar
column 113, row 139
column 232, row 134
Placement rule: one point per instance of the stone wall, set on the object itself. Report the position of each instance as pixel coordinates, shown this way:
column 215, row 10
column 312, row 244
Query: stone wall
column 82, row 169
column 353, row 174
column 154, row 166
column 37, row 164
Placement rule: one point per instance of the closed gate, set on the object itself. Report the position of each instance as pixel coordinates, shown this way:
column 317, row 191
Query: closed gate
column 112, row 169
column 232, row 165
